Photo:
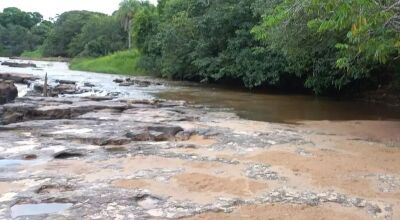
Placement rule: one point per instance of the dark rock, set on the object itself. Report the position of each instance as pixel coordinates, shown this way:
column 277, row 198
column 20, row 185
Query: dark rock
column 99, row 98
column 8, row 92
column 139, row 83
column 20, row 65
column 18, row 77
column 87, row 84
column 70, row 82
column 30, row 157
column 118, row 80
column 38, row 87
column 126, row 84
column 67, row 154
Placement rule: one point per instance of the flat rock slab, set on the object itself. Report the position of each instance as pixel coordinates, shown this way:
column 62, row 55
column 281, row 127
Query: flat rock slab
column 18, row 77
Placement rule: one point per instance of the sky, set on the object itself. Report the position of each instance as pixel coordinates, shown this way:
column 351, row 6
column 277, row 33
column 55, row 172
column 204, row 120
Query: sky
column 50, row 8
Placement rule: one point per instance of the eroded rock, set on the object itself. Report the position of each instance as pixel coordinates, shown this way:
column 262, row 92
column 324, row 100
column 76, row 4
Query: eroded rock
column 18, row 77
column 8, row 92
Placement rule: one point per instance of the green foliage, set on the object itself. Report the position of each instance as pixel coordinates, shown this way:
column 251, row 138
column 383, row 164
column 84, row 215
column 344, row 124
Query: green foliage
column 66, row 28
column 332, row 43
column 38, row 53
column 100, row 36
column 123, row 62
column 14, row 16
column 206, row 41
column 20, row 31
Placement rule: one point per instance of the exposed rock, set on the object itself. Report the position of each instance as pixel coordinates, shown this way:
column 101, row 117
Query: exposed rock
column 118, row 80
column 20, row 65
column 70, row 82
column 18, row 77
column 65, row 89
column 154, row 133
column 87, row 84
column 67, row 154
column 136, row 82
column 8, row 92
column 99, row 98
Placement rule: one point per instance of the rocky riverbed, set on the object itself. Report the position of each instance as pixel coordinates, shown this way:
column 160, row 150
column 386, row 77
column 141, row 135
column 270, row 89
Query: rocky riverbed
column 105, row 156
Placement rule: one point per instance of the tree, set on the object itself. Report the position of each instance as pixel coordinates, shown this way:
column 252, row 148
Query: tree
column 67, row 26
column 333, row 43
column 126, row 13
column 20, row 31
column 99, row 36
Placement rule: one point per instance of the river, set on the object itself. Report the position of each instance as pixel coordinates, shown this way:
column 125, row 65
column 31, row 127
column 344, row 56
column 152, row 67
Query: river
column 248, row 105
column 139, row 158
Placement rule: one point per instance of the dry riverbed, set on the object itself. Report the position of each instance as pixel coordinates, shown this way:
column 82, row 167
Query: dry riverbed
column 99, row 158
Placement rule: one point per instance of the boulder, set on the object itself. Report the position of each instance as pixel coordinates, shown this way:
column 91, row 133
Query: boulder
column 8, row 91
column 65, row 89
column 118, row 80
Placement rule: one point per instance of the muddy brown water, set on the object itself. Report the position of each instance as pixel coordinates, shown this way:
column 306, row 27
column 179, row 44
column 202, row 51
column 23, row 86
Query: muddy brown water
column 279, row 107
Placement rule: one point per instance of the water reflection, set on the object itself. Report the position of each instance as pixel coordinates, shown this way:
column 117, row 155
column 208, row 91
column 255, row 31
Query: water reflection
column 281, row 108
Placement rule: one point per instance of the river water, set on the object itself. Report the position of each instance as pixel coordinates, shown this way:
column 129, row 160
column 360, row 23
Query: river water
column 254, row 106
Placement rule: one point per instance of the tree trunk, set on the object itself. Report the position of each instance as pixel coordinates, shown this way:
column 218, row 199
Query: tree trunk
column 130, row 34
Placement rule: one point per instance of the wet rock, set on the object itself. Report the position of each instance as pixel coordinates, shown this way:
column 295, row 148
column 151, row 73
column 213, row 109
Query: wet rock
column 8, row 91
column 20, row 65
column 30, row 157
column 18, row 77
column 65, row 89
column 118, row 80
column 99, row 98
column 69, row 82
column 87, row 84
column 136, row 82
column 67, row 155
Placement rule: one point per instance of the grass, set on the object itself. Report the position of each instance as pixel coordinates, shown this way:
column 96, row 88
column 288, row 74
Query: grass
column 38, row 53
column 123, row 62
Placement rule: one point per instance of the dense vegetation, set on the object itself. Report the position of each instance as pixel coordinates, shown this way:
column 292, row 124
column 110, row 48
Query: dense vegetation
column 20, row 31
column 324, row 46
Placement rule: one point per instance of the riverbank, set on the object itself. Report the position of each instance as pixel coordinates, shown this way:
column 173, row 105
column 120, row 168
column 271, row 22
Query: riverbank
column 123, row 63
column 105, row 147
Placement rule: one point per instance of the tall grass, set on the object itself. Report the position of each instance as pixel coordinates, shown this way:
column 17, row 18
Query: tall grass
column 38, row 53
column 123, row 62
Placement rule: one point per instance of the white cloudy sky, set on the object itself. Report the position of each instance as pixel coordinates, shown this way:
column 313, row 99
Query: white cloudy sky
column 50, row 8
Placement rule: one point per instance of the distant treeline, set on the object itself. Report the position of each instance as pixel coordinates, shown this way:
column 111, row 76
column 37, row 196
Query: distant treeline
column 324, row 46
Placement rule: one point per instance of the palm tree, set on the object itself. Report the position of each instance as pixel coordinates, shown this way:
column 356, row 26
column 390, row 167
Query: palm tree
column 126, row 13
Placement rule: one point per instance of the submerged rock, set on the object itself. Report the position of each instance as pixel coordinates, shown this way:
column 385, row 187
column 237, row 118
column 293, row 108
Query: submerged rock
column 136, row 82
column 8, row 91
